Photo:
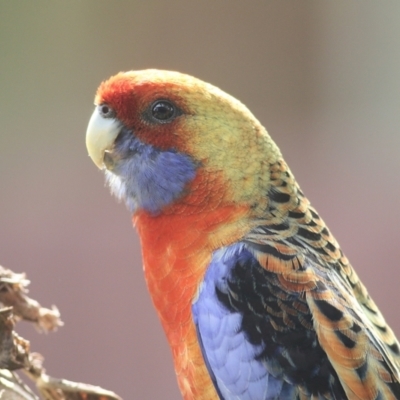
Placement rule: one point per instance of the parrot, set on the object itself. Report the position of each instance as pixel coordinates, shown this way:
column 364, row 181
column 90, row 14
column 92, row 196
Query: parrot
column 255, row 296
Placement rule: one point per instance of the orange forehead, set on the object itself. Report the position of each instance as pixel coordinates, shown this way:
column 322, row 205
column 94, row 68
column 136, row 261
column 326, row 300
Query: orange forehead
column 130, row 96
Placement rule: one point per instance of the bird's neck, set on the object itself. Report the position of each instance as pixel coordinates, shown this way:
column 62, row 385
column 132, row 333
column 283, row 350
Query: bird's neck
column 177, row 246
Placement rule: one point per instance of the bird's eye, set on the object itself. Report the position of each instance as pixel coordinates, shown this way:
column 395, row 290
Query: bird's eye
column 106, row 111
column 163, row 111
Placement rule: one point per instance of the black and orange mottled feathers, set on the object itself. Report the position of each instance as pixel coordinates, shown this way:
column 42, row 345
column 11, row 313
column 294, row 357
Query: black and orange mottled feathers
column 295, row 246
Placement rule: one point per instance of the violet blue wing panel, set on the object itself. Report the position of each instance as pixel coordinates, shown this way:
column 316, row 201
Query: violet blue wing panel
column 257, row 338
column 233, row 361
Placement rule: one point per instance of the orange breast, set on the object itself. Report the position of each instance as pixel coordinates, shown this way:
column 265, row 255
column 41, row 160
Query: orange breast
column 177, row 248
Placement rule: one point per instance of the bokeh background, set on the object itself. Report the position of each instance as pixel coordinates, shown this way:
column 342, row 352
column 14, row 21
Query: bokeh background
column 322, row 76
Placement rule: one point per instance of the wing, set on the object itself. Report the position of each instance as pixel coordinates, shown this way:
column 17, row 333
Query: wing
column 232, row 350
column 295, row 244
column 257, row 335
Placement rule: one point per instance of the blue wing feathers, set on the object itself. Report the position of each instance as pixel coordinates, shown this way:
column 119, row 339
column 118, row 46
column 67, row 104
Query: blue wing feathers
column 258, row 342
column 233, row 361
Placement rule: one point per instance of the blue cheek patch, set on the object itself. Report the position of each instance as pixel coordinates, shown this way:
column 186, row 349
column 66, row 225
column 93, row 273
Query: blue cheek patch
column 146, row 177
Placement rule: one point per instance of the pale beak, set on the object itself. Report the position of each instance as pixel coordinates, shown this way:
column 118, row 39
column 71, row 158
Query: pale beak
column 100, row 136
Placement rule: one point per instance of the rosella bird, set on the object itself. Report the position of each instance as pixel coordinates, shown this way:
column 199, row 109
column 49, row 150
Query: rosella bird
column 255, row 296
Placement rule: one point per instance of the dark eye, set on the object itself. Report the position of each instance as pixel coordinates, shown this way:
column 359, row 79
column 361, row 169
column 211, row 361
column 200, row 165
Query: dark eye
column 163, row 111
column 106, row 111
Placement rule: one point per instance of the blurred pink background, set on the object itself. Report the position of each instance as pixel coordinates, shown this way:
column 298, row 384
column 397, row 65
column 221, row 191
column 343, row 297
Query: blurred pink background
column 323, row 77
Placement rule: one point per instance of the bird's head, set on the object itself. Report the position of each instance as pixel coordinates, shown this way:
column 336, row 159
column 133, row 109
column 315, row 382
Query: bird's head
column 155, row 132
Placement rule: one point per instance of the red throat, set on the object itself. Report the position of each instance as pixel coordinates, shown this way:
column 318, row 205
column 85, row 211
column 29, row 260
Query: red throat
column 177, row 247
